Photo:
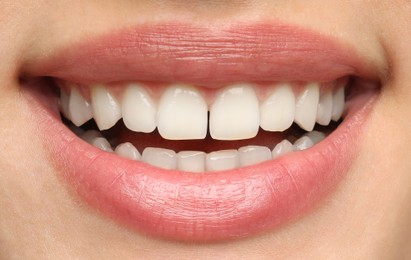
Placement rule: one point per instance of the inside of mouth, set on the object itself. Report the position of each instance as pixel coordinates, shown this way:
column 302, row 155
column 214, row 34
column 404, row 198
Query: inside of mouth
column 207, row 153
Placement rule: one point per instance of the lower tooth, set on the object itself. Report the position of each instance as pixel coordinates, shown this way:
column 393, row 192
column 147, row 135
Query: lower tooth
column 90, row 135
column 222, row 160
column 316, row 136
column 303, row 143
column 102, row 143
column 282, row 148
column 127, row 150
column 162, row 158
column 191, row 161
column 250, row 155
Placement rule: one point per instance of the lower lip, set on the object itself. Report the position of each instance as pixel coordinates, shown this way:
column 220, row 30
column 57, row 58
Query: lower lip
column 207, row 207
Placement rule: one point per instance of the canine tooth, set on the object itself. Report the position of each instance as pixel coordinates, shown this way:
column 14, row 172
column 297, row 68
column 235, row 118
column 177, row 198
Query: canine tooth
column 182, row 114
column 278, row 110
column 306, row 107
column 64, row 103
column 138, row 109
column 303, row 143
column 106, row 108
column 90, row 135
column 235, row 115
column 127, row 150
column 315, row 136
column 222, row 160
column 102, row 143
column 250, row 155
column 191, row 161
column 79, row 108
column 338, row 104
column 325, row 109
column 282, row 148
column 162, row 158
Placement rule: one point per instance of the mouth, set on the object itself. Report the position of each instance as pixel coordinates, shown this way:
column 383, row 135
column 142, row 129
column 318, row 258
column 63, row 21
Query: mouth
column 174, row 132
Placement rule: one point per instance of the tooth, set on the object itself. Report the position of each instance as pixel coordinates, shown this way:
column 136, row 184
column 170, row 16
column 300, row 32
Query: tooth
column 162, row 158
column 182, row 114
column 325, row 108
column 79, row 108
column 191, row 161
column 106, row 108
column 90, row 135
column 102, row 143
column 127, row 150
column 64, row 103
column 338, row 104
column 315, row 136
column 306, row 107
column 234, row 115
column 138, row 109
column 222, row 160
column 278, row 110
column 282, row 148
column 250, row 155
column 303, row 143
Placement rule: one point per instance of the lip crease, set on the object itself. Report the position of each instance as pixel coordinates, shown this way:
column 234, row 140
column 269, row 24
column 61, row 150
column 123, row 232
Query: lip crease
column 211, row 206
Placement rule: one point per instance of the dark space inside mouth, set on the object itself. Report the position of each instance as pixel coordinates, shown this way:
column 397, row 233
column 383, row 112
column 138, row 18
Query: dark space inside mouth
column 120, row 134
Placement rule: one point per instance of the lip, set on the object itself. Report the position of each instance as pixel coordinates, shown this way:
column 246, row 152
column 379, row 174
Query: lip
column 212, row 206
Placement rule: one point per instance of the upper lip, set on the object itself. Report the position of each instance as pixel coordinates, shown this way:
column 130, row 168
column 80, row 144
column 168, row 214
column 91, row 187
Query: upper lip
column 224, row 205
column 204, row 56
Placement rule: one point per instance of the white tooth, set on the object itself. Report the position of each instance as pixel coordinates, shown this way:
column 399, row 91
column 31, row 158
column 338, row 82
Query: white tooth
column 106, row 108
column 64, row 103
column 338, row 104
column 79, row 108
column 325, row 109
column 278, row 110
column 235, row 115
column 102, row 143
column 303, row 143
column 139, row 111
column 222, row 160
column 182, row 114
column 316, row 136
column 282, row 148
column 90, row 135
column 127, row 150
column 162, row 158
column 191, row 161
column 306, row 107
column 250, row 155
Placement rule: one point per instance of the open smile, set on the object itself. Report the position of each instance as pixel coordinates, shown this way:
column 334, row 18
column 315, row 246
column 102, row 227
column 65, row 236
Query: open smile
column 203, row 134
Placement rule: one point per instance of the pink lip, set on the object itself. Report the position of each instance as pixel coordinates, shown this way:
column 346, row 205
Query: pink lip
column 212, row 206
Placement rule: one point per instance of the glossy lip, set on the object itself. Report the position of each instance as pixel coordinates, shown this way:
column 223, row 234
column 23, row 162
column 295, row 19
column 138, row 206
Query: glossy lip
column 212, row 206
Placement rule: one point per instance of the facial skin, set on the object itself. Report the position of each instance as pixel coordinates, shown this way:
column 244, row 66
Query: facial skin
column 368, row 217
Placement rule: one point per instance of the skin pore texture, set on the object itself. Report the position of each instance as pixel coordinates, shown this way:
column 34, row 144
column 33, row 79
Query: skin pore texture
column 367, row 217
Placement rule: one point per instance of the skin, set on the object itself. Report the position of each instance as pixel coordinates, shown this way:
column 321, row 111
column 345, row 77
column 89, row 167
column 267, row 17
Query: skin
column 368, row 217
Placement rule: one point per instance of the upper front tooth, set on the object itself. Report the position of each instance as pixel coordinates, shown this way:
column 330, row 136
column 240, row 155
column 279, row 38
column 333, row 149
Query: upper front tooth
column 182, row 114
column 139, row 111
column 235, row 113
column 306, row 107
column 338, row 104
column 79, row 108
column 325, row 107
column 106, row 108
column 278, row 110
